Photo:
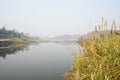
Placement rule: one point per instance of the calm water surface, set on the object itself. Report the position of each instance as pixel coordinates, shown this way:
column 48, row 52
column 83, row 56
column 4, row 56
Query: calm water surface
column 45, row 61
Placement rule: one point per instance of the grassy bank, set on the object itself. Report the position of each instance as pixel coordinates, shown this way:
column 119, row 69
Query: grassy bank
column 16, row 41
column 21, row 41
column 99, row 58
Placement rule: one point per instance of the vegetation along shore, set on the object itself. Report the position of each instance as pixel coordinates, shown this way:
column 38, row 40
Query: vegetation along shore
column 99, row 58
column 8, row 37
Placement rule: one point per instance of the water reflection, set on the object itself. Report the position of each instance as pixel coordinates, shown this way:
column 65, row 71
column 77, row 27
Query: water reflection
column 45, row 61
column 13, row 49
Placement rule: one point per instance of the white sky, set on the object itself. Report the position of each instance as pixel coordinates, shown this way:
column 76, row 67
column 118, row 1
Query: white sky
column 56, row 17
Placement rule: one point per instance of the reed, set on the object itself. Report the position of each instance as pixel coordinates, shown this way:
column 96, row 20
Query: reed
column 99, row 58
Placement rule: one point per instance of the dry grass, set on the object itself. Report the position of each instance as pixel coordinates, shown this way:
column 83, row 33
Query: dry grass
column 100, row 57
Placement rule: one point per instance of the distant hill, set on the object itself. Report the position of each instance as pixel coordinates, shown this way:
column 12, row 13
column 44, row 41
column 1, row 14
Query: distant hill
column 98, row 32
column 89, row 34
column 66, row 37
column 62, row 37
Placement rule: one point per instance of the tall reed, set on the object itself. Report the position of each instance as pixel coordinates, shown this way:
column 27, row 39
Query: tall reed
column 99, row 58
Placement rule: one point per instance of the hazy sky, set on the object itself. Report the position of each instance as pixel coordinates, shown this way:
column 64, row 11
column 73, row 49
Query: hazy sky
column 56, row 17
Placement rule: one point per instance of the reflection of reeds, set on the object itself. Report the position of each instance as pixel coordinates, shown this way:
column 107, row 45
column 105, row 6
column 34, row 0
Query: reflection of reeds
column 100, row 57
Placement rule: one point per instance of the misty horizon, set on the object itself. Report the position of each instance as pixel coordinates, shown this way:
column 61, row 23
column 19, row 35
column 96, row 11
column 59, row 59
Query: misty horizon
column 53, row 18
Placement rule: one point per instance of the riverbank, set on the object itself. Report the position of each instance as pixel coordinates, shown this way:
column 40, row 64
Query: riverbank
column 99, row 58
column 10, row 37
column 19, row 41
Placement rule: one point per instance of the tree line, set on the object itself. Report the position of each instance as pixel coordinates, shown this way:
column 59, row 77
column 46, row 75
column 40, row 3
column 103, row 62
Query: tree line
column 11, row 33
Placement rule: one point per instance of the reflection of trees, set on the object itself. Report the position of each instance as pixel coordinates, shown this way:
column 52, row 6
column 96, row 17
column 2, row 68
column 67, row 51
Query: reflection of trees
column 13, row 49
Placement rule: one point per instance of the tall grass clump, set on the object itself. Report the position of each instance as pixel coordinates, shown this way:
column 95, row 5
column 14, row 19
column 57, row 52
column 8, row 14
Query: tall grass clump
column 99, row 58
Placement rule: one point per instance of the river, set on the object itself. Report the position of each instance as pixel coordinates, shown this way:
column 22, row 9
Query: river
column 44, row 61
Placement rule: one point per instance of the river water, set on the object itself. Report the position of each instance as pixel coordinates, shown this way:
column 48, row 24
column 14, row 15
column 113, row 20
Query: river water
column 44, row 61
